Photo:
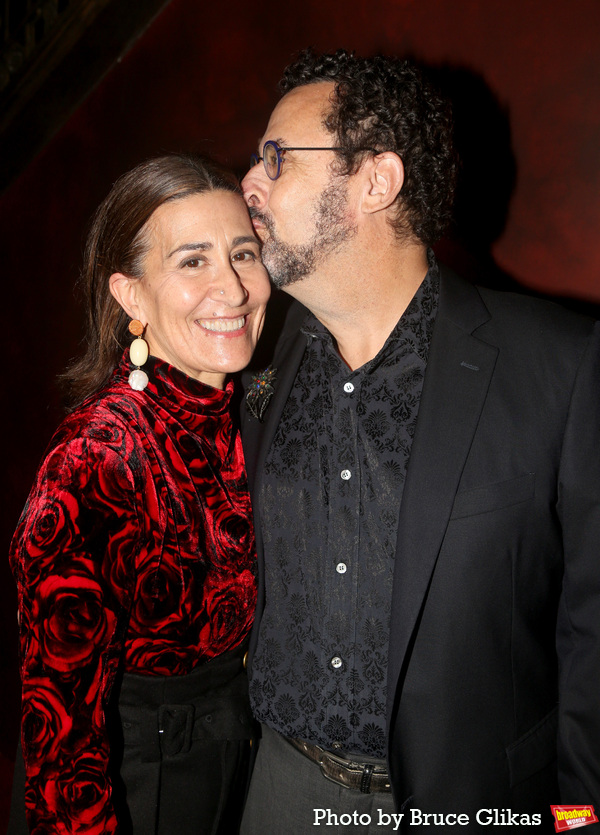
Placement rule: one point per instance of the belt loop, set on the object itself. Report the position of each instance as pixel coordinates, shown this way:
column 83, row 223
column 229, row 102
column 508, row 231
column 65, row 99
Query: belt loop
column 365, row 782
column 175, row 723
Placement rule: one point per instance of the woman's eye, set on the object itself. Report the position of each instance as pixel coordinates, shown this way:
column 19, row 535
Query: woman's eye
column 192, row 263
column 246, row 255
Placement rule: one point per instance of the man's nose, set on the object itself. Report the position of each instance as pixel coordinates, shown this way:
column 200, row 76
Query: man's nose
column 256, row 191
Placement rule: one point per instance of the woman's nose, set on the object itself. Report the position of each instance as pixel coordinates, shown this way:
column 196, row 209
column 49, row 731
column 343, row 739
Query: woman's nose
column 228, row 288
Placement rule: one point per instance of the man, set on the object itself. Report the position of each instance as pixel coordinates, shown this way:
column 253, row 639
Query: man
column 426, row 487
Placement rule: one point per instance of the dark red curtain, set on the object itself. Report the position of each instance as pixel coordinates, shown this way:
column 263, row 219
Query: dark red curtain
column 525, row 79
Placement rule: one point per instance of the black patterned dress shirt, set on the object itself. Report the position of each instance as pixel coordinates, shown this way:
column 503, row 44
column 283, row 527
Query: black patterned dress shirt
column 330, row 502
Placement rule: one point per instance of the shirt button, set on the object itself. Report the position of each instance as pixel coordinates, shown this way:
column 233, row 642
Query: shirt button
column 341, row 568
column 348, row 388
column 336, row 662
column 346, row 474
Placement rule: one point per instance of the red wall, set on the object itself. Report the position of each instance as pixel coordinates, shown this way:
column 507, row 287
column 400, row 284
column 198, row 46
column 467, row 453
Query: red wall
column 526, row 78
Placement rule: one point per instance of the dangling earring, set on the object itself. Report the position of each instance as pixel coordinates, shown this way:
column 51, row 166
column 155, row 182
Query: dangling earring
column 138, row 353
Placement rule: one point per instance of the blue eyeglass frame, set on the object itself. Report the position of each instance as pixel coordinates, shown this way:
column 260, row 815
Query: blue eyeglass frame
column 255, row 158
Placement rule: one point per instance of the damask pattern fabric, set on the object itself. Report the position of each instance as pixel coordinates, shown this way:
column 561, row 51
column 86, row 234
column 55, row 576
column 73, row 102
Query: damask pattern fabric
column 330, row 501
column 135, row 546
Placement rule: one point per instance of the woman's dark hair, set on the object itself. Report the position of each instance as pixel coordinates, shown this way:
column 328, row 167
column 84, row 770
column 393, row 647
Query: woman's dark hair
column 117, row 242
column 389, row 105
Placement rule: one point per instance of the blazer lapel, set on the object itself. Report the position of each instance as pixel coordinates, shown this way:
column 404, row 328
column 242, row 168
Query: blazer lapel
column 457, row 379
column 258, row 436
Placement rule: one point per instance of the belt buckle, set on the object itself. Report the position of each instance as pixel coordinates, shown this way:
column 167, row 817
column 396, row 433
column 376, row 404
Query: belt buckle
column 353, row 773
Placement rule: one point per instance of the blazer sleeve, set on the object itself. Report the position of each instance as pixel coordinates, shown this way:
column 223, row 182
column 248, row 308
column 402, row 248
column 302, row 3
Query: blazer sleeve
column 72, row 556
column 578, row 632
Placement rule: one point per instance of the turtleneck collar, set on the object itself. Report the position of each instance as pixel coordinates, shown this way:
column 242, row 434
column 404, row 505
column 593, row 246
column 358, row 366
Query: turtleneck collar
column 185, row 399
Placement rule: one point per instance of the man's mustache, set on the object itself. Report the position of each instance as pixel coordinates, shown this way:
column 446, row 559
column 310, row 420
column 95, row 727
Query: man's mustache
column 264, row 218
column 255, row 213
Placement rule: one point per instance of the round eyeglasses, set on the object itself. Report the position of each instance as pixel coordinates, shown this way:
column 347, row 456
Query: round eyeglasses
column 272, row 156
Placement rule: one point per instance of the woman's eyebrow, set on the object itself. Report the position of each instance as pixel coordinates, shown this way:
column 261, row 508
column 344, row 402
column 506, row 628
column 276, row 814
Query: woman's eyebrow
column 203, row 245
column 245, row 239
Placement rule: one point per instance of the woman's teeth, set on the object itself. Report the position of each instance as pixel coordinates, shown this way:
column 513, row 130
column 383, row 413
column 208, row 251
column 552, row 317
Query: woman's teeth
column 222, row 325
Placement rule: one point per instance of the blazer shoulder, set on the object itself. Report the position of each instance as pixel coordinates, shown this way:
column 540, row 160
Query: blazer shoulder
column 518, row 309
column 537, row 333
column 504, row 317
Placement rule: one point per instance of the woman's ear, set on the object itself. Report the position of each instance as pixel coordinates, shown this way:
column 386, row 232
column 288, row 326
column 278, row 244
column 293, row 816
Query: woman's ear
column 385, row 180
column 124, row 290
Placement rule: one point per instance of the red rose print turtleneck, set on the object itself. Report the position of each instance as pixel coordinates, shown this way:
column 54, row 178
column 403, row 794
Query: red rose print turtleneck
column 136, row 543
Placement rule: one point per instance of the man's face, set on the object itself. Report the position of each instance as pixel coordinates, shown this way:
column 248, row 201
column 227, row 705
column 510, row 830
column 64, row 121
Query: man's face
column 302, row 217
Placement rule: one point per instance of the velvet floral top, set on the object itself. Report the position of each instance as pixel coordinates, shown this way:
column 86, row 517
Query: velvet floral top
column 136, row 543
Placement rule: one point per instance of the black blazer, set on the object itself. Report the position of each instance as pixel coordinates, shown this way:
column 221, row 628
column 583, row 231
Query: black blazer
column 497, row 562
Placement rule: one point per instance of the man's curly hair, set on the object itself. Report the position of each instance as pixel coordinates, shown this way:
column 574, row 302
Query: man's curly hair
column 387, row 104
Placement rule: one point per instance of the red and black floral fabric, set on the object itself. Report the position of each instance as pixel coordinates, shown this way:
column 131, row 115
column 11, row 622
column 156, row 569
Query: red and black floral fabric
column 135, row 544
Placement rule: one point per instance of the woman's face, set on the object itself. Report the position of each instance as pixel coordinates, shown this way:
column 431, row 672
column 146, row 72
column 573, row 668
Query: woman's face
column 204, row 290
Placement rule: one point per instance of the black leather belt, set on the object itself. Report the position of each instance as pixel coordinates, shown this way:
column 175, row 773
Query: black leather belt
column 363, row 777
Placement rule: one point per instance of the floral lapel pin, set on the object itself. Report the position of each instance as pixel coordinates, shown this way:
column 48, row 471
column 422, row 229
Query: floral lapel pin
column 260, row 392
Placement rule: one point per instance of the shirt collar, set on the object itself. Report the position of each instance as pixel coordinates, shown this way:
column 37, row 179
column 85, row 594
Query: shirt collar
column 413, row 329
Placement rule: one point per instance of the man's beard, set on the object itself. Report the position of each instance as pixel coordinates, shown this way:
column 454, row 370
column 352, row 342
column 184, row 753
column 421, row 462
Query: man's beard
column 289, row 263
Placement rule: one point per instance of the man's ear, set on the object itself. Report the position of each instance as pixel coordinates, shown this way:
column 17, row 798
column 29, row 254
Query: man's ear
column 385, row 178
column 125, row 291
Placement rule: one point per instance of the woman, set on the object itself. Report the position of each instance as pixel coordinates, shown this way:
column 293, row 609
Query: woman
column 134, row 556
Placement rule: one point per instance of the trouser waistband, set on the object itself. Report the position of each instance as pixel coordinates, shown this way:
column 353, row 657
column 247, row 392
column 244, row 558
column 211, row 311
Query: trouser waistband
column 163, row 715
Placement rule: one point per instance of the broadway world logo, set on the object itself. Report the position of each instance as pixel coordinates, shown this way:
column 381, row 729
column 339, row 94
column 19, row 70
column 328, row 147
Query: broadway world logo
column 572, row 817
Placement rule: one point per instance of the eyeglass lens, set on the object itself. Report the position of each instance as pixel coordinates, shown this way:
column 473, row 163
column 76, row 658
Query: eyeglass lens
column 271, row 160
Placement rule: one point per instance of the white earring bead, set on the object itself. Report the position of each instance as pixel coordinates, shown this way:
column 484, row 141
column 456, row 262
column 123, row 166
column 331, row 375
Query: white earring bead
column 138, row 379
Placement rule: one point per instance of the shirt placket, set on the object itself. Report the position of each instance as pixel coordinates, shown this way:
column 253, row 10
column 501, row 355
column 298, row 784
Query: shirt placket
column 342, row 551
